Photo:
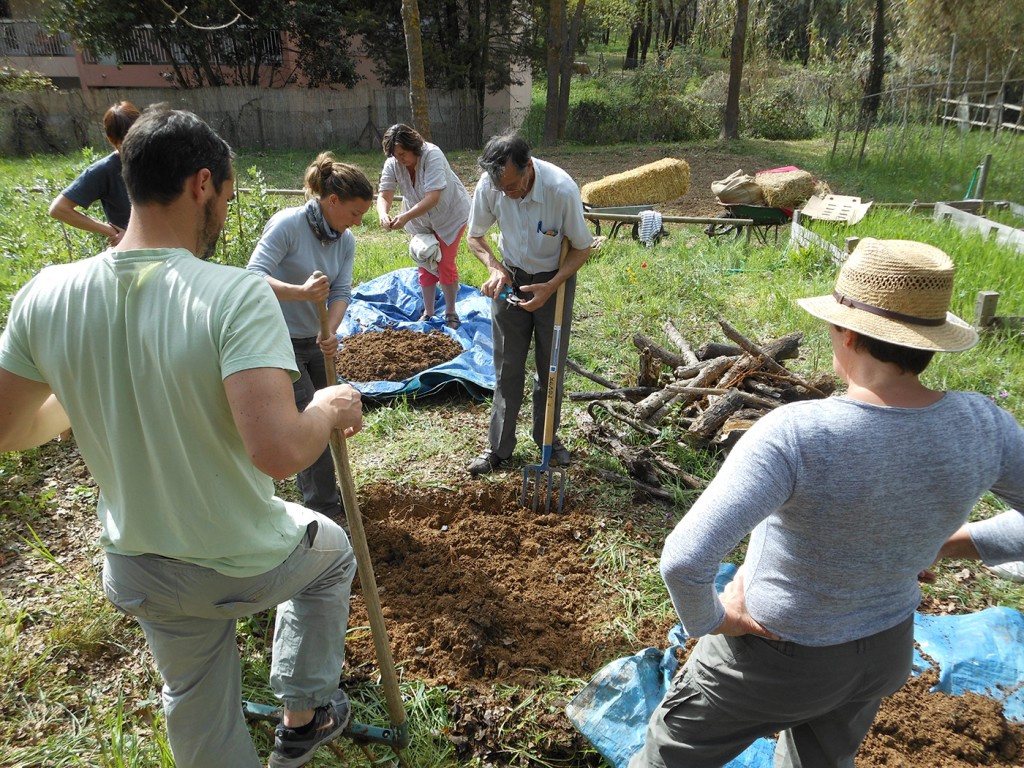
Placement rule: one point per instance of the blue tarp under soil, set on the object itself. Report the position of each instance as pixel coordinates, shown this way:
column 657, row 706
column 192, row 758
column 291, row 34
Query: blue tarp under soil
column 979, row 652
column 394, row 301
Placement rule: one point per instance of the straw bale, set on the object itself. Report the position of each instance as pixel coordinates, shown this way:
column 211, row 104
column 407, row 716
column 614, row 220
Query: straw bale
column 655, row 182
column 787, row 189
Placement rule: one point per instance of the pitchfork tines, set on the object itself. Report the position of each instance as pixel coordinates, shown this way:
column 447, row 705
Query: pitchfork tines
column 543, row 480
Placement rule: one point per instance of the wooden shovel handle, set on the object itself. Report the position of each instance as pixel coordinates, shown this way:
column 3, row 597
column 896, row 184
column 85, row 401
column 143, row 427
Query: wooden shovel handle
column 357, row 535
column 556, row 340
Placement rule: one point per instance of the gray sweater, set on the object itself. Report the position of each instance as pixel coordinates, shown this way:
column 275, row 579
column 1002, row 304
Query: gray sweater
column 847, row 502
column 289, row 251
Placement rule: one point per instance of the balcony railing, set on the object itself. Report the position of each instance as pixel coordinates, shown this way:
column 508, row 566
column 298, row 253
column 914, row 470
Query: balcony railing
column 27, row 38
column 146, row 48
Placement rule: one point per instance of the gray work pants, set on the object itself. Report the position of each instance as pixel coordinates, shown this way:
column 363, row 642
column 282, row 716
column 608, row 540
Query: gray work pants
column 317, row 482
column 512, row 330
column 189, row 615
column 734, row 690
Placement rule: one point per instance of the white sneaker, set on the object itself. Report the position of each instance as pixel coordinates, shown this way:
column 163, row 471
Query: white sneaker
column 1013, row 571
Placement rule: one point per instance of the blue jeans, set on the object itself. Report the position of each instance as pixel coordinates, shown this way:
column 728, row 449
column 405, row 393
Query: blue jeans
column 317, row 482
column 189, row 615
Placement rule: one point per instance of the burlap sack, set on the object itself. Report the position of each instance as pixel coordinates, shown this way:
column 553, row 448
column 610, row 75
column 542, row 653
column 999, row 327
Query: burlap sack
column 738, row 188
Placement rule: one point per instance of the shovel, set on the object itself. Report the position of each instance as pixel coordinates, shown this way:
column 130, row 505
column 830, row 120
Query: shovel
column 542, row 479
column 399, row 731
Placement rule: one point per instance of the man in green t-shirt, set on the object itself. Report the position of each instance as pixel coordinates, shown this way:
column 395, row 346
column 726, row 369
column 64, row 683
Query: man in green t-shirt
column 176, row 376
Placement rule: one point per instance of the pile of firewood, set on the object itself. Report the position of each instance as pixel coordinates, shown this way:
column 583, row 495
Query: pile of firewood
column 704, row 399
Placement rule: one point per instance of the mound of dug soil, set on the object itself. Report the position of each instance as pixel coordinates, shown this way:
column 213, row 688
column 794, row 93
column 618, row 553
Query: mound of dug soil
column 393, row 355
column 477, row 591
column 918, row 728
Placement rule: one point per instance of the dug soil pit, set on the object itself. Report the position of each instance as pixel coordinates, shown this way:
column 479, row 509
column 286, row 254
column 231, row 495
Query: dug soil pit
column 393, row 355
column 478, row 593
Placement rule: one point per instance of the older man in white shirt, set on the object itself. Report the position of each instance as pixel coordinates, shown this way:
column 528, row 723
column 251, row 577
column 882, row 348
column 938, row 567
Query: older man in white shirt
column 535, row 205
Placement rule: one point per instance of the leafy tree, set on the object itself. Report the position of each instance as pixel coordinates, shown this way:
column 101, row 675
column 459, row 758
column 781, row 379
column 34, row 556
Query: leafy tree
column 988, row 36
column 23, row 81
column 210, row 42
column 470, row 45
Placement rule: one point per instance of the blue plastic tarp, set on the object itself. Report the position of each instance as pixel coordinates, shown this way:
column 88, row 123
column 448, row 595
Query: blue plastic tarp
column 394, row 301
column 980, row 652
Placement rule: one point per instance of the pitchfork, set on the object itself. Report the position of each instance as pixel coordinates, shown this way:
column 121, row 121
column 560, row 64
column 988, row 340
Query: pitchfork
column 543, row 475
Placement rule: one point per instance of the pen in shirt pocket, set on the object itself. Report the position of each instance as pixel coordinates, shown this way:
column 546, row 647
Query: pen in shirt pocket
column 548, row 232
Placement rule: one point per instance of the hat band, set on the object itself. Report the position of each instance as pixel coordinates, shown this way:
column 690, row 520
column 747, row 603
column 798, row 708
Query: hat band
column 887, row 313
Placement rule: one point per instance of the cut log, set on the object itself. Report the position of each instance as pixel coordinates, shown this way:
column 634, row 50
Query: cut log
column 677, row 338
column 783, row 348
column 712, row 349
column 758, row 387
column 589, row 375
column 692, row 370
column 624, row 418
column 650, row 369
column 630, row 394
column 708, row 423
column 640, row 461
column 769, row 362
column 658, row 493
column 681, row 393
column 667, row 356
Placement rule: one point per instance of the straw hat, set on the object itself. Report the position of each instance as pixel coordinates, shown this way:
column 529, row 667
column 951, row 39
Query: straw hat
column 896, row 291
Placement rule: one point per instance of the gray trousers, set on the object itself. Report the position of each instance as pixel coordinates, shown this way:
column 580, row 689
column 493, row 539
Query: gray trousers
column 317, row 482
column 512, row 330
column 189, row 615
column 734, row 690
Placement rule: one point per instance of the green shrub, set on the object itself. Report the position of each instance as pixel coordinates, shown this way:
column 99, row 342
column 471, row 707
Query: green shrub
column 23, row 81
column 776, row 116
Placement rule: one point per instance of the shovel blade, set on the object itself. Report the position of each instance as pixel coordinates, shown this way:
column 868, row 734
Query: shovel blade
column 542, row 482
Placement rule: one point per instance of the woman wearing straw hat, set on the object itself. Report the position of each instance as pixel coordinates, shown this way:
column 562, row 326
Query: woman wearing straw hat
column 847, row 500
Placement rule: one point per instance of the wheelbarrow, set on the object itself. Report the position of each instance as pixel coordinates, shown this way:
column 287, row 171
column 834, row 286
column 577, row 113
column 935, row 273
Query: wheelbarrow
column 609, row 214
column 765, row 217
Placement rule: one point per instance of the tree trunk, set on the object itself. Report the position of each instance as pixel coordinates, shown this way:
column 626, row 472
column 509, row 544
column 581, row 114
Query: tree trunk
column 645, row 41
column 417, row 75
column 554, row 46
column 565, row 69
column 876, row 73
column 731, row 124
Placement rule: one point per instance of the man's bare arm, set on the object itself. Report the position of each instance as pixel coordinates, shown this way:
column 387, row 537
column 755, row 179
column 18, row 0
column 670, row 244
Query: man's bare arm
column 281, row 440
column 30, row 414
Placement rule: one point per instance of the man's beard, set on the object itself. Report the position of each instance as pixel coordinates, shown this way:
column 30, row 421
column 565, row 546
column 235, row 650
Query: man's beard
column 209, row 232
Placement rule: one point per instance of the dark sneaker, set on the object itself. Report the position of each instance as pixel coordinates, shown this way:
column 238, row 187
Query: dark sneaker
column 486, row 462
column 452, row 321
column 292, row 749
column 560, row 456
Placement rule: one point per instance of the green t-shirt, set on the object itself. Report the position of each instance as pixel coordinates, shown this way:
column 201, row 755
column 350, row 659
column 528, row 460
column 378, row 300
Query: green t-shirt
column 136, row 346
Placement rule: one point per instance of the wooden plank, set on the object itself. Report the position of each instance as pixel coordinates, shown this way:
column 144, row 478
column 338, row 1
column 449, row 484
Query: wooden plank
column 985, row 308
column 801, row 237
column 967, row 222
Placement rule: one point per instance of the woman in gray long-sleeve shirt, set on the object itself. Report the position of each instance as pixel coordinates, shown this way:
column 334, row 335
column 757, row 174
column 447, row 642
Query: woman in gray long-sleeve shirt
column 306, row 255
column 847, row 500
